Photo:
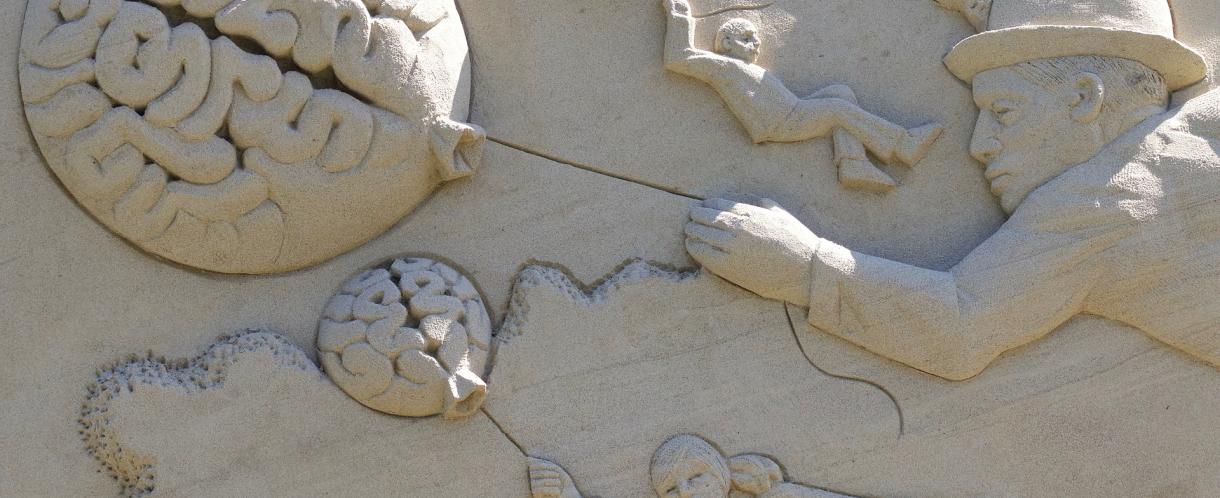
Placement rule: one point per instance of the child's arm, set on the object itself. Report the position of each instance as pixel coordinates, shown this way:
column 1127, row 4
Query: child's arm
column 977, row 12
column 680, row 32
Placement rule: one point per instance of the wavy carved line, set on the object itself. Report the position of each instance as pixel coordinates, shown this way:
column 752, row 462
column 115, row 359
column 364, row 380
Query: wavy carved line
column 135, row 472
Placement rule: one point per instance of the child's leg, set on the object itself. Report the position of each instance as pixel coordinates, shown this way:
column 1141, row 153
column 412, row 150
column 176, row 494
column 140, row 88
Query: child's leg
column 846, row 145
column 835, row 107
column 817, row 117
column 855, row 169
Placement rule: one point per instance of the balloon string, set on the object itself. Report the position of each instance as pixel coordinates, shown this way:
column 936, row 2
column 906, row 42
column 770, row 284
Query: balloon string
column 730, row 9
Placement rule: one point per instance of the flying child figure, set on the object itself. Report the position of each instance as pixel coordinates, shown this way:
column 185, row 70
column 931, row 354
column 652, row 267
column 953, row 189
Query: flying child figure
column 772, row 113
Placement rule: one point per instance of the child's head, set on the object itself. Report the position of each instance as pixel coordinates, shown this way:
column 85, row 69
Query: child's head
column 738, row 38
column 686, row 466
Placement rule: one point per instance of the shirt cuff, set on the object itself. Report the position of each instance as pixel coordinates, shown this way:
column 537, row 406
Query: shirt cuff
column 832, row 263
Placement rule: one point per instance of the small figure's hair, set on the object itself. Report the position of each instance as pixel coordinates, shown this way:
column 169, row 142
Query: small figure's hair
column 688, row 447
column 1130, row 85
column 732, row 27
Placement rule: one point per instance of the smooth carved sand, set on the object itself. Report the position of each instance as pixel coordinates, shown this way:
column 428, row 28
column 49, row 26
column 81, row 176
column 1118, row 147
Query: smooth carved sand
column 408, row 338
column 1103, row 184
column 133, row 469
column 203, row 152
column 649, row 353
column 252, row 416
column 1094, row 409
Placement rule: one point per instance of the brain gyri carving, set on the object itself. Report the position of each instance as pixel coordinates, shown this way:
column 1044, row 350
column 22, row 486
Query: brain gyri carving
column 409, row 339
column 249, row 136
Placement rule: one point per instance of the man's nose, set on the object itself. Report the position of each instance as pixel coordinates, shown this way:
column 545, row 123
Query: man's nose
column 984, row 146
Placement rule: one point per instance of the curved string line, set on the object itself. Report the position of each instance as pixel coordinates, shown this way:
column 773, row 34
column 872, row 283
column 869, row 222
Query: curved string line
column 731, row 9
column 801, row 347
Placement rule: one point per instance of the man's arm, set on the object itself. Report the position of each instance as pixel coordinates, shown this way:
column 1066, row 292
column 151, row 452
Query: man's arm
column 1016, row 287
column 1013, row 289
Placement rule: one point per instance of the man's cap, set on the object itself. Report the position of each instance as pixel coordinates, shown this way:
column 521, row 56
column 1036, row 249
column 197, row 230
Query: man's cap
column 1024, row 30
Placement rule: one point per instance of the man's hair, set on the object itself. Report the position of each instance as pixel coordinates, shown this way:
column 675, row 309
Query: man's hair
column 733, row 27
column 687, row 447
column 1130, row 85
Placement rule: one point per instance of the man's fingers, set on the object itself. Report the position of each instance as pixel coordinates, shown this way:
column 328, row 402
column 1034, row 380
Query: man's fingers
column 715, row 218
column 714, row 236
column 544, row 491
column 704, row 253
column 536, row 464
column 722, row 204
column 544, row 474
column 735, row 207
column 727, row 205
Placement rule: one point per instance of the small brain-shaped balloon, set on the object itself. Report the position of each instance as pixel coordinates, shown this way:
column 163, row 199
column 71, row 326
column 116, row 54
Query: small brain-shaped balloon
column 409, row 339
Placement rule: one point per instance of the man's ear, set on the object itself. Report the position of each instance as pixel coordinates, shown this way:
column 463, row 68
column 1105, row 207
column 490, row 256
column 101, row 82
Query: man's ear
column 1088, row 95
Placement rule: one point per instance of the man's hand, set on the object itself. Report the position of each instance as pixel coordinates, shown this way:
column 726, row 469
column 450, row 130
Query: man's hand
column 762, row 248
column 549, row 480
column 679, row 7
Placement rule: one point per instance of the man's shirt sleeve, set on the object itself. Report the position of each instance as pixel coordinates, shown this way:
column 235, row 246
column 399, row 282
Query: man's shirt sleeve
column 1016, row 287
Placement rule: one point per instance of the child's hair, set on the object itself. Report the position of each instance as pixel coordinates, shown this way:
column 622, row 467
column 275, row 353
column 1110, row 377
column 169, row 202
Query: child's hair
column 688, row 447
column 754, row 474
column 732, row 27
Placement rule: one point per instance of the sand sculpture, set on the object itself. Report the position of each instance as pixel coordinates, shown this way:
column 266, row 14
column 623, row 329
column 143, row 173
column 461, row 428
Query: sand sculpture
column 1101, row 182
column 549, row 480
column 134, row 470
column 771, row 113
column 689, row 466
column 409, row 338
column 210, row 154
column 267, row 148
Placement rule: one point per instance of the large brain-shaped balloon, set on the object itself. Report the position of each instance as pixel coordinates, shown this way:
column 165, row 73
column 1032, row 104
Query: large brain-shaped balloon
column 248, row 136
column 410, row 338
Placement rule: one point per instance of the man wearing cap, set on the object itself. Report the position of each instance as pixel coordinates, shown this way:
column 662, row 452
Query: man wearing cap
column 1114, row 202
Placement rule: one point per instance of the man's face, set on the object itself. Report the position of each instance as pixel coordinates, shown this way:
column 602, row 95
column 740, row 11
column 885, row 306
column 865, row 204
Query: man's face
column 1025, row 134
column 742, row 45
column 691, row 478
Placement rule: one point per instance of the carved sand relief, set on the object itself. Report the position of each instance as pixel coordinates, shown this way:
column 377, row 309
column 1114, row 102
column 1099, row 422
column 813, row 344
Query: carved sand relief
column 688, row 466
column 1110, row 198
column 409, row 338
column 252, row 415
column 593, row 378
column 549, row 480
column 771, row 113
column 1101, row 183
column 976, row 12
column 135, row 471
column 197, row 129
